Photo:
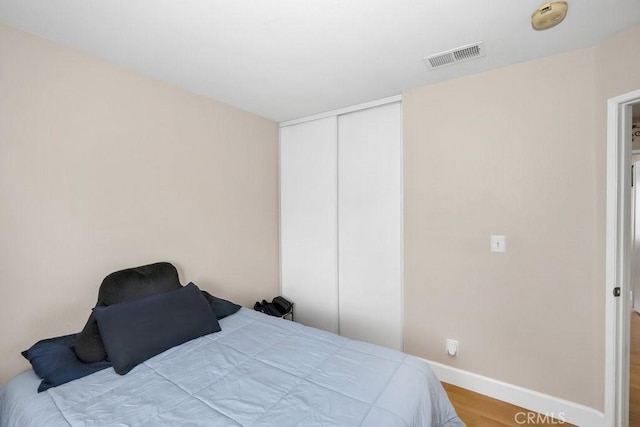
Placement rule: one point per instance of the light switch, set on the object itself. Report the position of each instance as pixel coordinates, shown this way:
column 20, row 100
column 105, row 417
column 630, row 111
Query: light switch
column 498, row 243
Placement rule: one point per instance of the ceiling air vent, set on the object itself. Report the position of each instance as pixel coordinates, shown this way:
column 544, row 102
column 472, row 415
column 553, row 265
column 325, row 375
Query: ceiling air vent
column 454, row 56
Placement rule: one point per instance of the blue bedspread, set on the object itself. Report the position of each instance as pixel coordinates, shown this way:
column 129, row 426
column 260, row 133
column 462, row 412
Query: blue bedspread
column 258, row 371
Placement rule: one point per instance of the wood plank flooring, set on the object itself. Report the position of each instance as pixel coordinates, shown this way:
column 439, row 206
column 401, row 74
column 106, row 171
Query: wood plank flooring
column 477, row 410
column 634, row 372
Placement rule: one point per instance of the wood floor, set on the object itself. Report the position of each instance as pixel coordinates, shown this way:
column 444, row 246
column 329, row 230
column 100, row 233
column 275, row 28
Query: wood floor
column 634, row 374
column 477, row 410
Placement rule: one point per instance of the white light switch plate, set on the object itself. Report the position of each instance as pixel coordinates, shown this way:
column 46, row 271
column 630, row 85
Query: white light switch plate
column 498, row 243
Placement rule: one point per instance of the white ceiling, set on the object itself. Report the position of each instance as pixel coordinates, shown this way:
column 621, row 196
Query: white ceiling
column 284, row 59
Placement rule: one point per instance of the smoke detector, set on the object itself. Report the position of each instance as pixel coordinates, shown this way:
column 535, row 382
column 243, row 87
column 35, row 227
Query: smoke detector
column 549, row 15
column 454, row 56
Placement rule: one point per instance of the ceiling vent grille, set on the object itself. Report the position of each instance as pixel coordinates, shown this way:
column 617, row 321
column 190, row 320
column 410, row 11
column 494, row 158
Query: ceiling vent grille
column 454, row 56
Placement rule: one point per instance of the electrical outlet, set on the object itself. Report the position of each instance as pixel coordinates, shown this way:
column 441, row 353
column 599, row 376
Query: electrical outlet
column 452, row 347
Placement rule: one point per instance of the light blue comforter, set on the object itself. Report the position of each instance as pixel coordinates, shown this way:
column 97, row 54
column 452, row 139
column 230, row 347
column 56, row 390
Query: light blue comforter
column 258, row 371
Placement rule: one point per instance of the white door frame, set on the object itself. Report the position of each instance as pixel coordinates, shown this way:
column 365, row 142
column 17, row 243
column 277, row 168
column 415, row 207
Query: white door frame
column 618, row 245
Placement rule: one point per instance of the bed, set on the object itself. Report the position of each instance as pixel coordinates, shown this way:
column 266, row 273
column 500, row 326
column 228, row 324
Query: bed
column 156, row 353
column 257, row 371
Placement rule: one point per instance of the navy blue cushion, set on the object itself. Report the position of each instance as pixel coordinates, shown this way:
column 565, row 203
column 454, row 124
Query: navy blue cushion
column 55, row 361
column 124, row 285
column 221, row 307
column 136, row 330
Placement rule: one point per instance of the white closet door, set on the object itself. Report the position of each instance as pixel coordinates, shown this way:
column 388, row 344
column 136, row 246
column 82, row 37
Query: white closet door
column 370, row 225
column 308, row 221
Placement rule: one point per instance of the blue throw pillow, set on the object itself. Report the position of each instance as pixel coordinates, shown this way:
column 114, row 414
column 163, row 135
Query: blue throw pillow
column 136, row 330
column 55, row 361
column 221, row 307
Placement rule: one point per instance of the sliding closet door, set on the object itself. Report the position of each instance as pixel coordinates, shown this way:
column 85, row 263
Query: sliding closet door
column 308, row 221
column 370, row 225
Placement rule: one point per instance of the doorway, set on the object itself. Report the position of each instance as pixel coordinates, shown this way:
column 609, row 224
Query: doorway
column 634, row 326
column 618, row 258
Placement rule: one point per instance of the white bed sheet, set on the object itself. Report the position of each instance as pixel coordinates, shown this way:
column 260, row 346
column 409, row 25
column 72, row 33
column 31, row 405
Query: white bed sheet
column 258, row 371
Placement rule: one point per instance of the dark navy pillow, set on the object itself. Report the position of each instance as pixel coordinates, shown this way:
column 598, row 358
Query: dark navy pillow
column 136, row 330
column 124, row 285
column 55, row 361
column 221, row 307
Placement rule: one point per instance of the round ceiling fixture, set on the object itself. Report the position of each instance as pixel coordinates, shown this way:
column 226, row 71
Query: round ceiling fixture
column 549, row 15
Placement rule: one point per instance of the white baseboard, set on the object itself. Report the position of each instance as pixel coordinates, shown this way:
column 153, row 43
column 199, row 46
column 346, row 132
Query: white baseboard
column 571, row 412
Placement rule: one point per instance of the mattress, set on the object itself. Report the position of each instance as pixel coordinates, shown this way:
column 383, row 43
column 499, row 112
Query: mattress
column 258, row 371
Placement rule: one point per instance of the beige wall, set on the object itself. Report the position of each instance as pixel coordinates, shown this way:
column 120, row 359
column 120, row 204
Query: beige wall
column 103, row 169
column 518, row 151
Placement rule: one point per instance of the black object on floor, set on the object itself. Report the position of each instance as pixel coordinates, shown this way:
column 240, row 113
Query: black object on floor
column 279, row 307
